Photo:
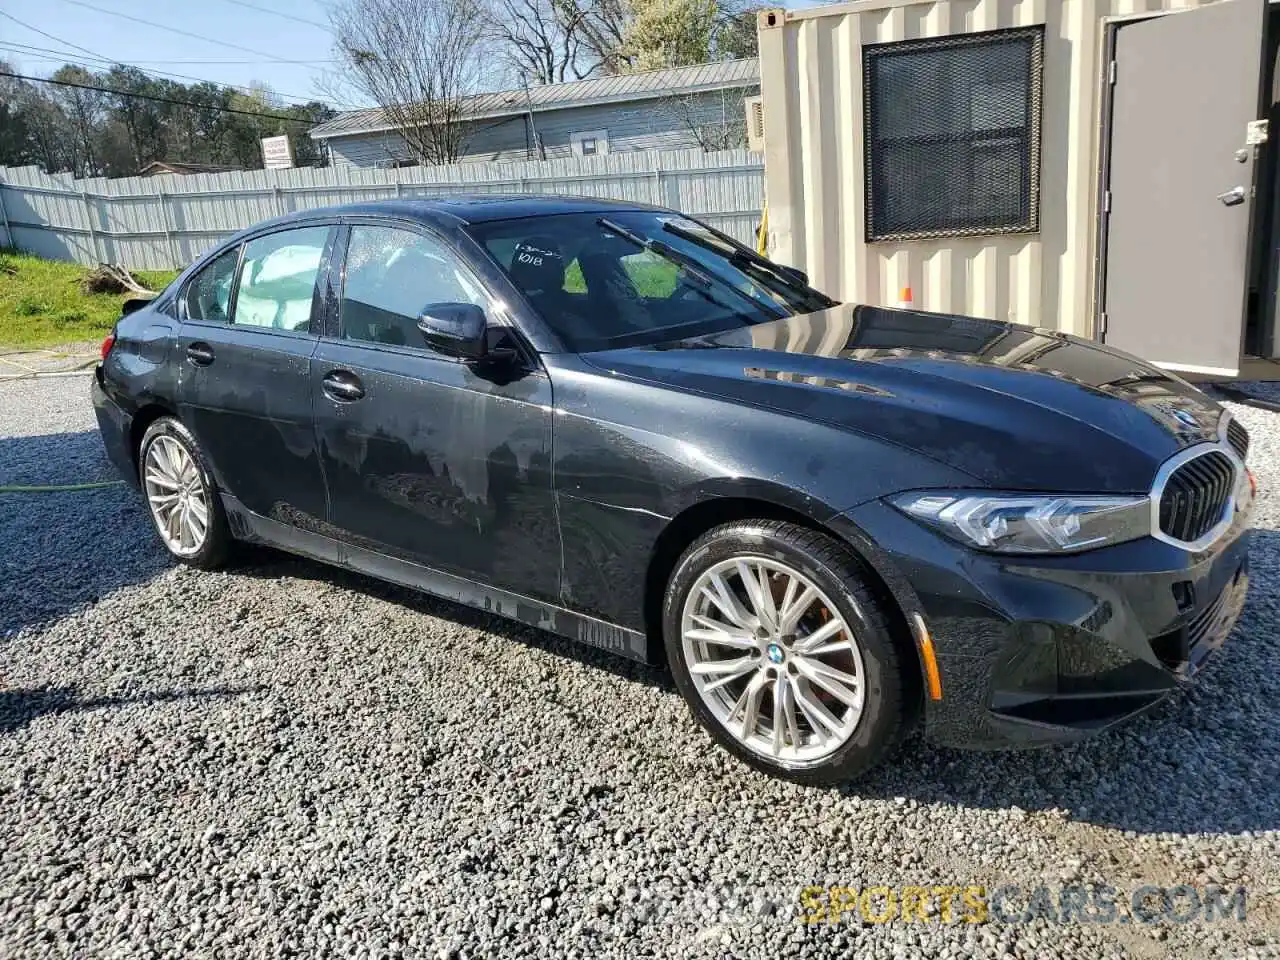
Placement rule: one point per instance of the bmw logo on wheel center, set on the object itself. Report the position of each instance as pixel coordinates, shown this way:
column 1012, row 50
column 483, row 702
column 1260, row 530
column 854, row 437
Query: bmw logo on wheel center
column 775, row 653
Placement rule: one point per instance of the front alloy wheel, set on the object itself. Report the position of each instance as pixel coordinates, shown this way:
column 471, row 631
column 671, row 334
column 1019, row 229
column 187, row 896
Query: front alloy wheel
column 773, row 659
column 784, row 652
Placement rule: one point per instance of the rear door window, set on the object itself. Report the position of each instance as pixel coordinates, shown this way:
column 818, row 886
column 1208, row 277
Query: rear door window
column 278, row 279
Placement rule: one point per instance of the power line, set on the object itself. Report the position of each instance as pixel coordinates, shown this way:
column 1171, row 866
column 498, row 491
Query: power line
column 59, row 56
column 183, row 33
column 277, row 13
column 73, row 46
column 211, row 62
column 185, row 60
column 24, row 50
column 50, row 36
column 147, row 96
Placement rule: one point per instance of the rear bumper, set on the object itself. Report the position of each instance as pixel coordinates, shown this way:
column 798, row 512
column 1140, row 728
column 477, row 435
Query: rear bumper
column 1041, row 650
column 115, row 425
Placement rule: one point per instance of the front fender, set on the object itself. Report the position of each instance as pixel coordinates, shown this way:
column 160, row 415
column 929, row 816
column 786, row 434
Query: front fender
column 630, row 456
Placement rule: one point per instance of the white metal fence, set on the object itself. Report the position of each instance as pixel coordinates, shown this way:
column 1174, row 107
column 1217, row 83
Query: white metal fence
column 166, row 222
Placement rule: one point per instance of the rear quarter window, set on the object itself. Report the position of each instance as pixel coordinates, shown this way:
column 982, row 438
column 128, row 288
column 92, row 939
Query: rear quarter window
column 208, row 294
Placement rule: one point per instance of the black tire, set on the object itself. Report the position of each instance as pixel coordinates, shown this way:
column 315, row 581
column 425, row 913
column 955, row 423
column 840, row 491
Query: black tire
column 216, row 547
column 889, row 710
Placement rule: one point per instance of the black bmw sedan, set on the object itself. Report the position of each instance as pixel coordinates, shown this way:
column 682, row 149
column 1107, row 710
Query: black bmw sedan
column 835, row 523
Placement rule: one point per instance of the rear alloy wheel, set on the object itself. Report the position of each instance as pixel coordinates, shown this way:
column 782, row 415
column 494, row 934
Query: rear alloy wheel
column 181, row 496
column 783, row 653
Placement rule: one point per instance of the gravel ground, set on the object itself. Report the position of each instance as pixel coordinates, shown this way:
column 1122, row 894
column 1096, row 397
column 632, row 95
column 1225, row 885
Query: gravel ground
column 287, row 760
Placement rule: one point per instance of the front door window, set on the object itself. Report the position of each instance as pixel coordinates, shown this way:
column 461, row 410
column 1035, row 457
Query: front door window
column 392, row 275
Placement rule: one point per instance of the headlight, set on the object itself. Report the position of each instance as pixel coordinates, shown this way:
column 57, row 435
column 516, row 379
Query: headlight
column 1019, row 523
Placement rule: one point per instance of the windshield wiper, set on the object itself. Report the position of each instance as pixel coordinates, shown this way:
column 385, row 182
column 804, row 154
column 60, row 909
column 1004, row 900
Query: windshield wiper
column 744, row 257
column 727, row 249
column 661, row 249
column 686, row 263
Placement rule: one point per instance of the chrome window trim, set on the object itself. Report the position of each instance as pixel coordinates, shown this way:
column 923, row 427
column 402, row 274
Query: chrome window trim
column 1177, row 460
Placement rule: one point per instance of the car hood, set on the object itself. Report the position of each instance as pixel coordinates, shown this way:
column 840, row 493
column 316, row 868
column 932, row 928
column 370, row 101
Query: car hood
column 1012, row 406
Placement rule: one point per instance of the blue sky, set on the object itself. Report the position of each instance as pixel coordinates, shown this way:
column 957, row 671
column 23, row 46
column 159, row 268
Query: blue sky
column 273, row 36
column 259, row 40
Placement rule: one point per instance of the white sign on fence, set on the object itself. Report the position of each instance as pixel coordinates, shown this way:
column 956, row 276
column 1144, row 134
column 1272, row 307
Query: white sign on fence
column 276, row 153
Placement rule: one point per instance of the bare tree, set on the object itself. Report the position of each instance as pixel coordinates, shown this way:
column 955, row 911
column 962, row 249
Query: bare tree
column 418, row 60
column 541, row 40
column 716, row 121
column 601, row 25
column 735, row 33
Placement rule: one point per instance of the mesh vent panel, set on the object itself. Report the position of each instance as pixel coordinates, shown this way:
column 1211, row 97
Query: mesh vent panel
column 953, row 135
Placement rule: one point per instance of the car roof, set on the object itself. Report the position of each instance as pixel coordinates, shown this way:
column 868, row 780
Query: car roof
column 465, row 208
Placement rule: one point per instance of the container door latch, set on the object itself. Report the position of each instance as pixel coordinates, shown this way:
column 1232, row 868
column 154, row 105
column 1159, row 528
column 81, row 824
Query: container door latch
column 1232, row 197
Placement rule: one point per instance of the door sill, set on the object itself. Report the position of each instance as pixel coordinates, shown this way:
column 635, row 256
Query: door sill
column 247, row 525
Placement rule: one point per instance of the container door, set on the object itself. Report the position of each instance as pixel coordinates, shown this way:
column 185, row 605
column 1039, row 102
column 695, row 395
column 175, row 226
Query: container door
column 1186, row 91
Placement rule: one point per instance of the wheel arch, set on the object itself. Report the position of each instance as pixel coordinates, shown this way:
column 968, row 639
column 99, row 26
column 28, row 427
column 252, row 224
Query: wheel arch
column 146, row 415
column 696, row 519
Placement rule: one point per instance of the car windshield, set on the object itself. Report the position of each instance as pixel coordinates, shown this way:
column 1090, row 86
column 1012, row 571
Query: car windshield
column 630, row 278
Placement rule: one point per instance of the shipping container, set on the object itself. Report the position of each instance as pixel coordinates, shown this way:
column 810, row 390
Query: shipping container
column 1097, row 167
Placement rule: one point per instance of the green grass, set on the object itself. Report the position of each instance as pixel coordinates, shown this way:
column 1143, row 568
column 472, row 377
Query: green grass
column 42, row 305
column 653, row 277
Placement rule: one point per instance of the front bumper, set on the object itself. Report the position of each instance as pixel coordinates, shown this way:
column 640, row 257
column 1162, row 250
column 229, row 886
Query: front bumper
column 1038, row 650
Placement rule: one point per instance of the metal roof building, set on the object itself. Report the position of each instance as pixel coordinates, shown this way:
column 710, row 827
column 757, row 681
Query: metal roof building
column 599, row 115
column 653, row 84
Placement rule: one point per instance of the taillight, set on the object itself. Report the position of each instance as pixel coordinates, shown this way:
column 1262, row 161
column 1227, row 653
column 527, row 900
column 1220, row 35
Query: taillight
column 108, row 342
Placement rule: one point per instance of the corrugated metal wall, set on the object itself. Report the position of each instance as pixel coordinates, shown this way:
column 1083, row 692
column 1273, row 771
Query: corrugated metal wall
column 165, row 222
column 811, row 80
column 643, row 125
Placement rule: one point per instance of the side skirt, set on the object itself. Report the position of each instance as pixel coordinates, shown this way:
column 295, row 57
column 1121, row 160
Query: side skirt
column 247, row 525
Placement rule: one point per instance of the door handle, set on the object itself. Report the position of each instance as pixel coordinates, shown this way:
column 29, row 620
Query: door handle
column 200, row 353
column 1232, row 197
column 342, row 385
